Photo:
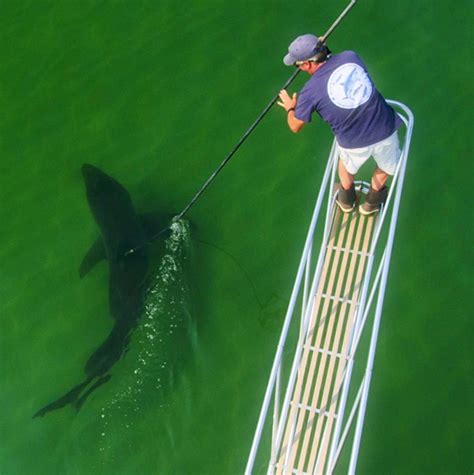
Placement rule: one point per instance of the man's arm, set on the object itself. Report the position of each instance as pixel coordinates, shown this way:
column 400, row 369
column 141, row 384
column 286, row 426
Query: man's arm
column 294, row 124
column 289, row 103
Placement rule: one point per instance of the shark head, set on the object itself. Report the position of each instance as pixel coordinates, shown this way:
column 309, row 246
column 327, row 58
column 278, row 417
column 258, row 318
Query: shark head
column 98, row 184
column 113, row 211
column 106, row 196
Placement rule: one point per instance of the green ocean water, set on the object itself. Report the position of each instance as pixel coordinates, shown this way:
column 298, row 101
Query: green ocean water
column 155, row 94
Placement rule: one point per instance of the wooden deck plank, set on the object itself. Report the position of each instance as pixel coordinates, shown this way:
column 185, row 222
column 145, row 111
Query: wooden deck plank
column 315, row 394
column 316, row 439
column 329, row 313
column 332, row 397
column 300, row 378
column 322, row 322
column 338, row 225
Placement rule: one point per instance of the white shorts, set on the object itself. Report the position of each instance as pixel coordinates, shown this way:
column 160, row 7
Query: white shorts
column 386, row 154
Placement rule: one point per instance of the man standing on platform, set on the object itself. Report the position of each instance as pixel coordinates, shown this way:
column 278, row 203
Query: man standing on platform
column 341, row 91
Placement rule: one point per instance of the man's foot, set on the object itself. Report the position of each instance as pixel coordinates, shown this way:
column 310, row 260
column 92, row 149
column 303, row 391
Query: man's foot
column 346, row 199
column 373, row 201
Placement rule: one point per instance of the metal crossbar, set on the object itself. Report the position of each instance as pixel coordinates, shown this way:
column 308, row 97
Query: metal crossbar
column 328, row 352
column 354, row 251
column 313, row 410
column 295, row 471
column 338, row 294
column 332, row 297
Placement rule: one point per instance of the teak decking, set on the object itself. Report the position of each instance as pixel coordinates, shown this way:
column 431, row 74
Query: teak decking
column 312, row 414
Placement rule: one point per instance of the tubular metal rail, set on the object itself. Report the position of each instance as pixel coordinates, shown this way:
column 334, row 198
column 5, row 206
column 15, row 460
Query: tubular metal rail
column 338, row 295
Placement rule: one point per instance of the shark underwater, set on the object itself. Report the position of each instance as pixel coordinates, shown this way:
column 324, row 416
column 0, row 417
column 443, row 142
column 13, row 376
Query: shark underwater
column 121, row 229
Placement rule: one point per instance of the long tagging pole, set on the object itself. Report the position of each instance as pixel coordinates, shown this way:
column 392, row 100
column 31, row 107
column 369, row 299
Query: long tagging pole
column 246, row 134
column 338, row 20
column 236, row 147
column 259, row 118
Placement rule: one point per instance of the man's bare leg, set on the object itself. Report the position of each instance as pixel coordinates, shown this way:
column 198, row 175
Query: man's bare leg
column 346, row 178
column 379, row 178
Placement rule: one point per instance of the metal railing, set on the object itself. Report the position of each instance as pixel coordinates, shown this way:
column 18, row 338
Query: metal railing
column 304, row 291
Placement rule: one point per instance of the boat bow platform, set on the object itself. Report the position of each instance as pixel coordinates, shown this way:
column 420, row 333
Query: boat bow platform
column 324, row 359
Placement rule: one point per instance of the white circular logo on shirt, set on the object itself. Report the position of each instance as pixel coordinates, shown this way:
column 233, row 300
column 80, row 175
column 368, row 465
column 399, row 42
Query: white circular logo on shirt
column 349, row 86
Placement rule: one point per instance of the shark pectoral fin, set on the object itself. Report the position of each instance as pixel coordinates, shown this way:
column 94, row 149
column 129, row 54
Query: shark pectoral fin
column 94, row 255
column 154, row 223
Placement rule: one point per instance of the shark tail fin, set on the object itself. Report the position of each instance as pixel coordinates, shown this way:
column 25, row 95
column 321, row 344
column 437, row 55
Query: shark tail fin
column 69, row 398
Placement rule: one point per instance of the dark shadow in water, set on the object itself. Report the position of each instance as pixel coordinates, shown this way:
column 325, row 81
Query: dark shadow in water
column 121, row 229
column 164, row 349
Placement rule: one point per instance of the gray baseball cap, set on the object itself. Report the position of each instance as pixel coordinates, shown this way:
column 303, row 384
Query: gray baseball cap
column 301, row 49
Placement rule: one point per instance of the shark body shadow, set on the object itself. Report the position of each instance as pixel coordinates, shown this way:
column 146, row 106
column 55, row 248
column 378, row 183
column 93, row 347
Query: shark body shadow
column 121, row 229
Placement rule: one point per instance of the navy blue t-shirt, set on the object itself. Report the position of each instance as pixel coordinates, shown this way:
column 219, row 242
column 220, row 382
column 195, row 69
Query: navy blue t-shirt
column 343, row 94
